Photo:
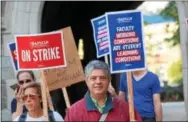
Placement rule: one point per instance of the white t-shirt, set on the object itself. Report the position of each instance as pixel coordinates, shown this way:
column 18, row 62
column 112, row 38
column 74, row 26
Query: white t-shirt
column 56, row 115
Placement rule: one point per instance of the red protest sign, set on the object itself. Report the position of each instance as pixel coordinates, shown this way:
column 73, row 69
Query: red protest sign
column 40, row 51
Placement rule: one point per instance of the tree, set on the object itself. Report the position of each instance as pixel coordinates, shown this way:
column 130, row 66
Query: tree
column 175, row 72
column 170, row 11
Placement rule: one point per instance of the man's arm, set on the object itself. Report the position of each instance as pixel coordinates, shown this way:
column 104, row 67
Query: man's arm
column 19, row 110
column 19, row 104
column 122, row 95
column 157, row 107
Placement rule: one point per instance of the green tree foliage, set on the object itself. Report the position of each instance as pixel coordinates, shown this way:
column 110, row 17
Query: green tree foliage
column 175, row 72
column 170, row 11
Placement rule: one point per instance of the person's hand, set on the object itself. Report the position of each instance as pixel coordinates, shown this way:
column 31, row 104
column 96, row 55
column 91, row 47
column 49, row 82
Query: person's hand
column 19, row 94
column 112, row 91
column 66, row 110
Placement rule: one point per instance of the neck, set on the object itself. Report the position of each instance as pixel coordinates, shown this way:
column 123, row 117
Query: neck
column 139, row 73
column 99, row 98
column 36, row 113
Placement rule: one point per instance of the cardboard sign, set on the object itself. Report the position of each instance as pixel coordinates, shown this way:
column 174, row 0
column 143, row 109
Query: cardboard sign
column 100, row 35
column 40, row 51
column 13, row 55
column 73, row 73
column 127, row 52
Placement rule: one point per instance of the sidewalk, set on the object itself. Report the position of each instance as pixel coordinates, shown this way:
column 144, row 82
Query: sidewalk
column 174, row 111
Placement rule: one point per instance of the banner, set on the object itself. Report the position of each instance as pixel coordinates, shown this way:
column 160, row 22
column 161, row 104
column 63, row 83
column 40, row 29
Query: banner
column 100, row 35
column 13, row 55
column 40, row 51
column 73, row 73
column 127, row 52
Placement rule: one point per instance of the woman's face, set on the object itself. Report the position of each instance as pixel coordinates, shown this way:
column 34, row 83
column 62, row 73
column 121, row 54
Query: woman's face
column 24, row 78
column 31, row 99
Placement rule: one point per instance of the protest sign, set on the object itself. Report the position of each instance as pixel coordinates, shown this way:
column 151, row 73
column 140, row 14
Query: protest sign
column 127, row 52
column 40, row 51
column 73, row 73
column 100, row 35
column 13, row 55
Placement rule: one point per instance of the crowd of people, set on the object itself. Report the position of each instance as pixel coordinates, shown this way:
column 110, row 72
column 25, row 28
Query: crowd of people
column 100, row 103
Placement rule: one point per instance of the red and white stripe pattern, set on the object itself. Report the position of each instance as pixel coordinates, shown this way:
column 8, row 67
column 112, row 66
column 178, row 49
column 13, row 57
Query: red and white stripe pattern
column 103, row 45
column 102, row 33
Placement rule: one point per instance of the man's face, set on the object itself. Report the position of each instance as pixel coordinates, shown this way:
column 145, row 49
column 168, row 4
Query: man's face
column 97, row 82
column 24, row 78
column 31, row 99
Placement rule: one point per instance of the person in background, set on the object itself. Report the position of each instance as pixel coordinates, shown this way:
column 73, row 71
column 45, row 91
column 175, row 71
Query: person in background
column 23, row 77
column 146, row 94
column 32, row 99
column 98, row 104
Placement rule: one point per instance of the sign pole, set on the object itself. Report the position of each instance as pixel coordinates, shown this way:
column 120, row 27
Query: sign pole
column 67, row 101
column 44, row 96
column 106, row 61
column 130, row 96
column 49, row 98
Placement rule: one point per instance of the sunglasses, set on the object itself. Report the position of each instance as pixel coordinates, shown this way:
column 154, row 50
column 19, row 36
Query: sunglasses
column 24, row 81
column 31, row 96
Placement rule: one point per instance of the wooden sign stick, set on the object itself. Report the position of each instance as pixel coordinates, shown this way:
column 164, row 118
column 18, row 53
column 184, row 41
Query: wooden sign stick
column 130, row 96
column 44, row 96
column 49, row 98
column 106, row 61
column 67, row 101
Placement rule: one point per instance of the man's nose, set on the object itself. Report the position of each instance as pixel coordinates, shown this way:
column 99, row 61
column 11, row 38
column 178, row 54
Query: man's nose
column 98, row 80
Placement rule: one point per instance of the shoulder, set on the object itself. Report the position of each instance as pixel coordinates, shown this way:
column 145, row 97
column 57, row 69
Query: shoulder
column 13, row 100
column 120, row 103
column 57, row 116
column 152, row 75
column 123, row 77
column 121, row 107
column 78, row 105
column 76, row 111
column 17, row 118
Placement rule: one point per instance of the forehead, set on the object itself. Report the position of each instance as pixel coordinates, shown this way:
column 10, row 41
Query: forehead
column 97, row 72
column 31, row 90
column 24, row 75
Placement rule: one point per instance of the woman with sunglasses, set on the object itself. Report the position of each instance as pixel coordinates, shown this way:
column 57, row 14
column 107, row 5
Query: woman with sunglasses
column 23, row 77
column 33, row 101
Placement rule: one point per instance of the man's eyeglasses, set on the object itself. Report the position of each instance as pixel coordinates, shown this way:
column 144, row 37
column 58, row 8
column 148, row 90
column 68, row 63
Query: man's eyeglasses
column 31, row 96
column 24, row 81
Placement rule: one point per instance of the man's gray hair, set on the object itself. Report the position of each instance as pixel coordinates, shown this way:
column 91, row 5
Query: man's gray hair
column 96, row 64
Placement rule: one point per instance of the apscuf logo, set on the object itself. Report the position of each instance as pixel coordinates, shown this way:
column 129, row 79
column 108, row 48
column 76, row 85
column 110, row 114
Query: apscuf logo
column 39, row 44
column 124, row 19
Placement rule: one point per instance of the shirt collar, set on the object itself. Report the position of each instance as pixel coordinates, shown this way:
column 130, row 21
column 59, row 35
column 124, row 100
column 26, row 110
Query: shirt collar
column 91, row 106
column 100, row 108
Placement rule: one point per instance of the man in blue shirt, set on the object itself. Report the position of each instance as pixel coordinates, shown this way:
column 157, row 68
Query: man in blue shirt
column 146, row 91
column 146, row 94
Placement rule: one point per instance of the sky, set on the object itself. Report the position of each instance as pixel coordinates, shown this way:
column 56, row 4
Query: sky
column 152, row 6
